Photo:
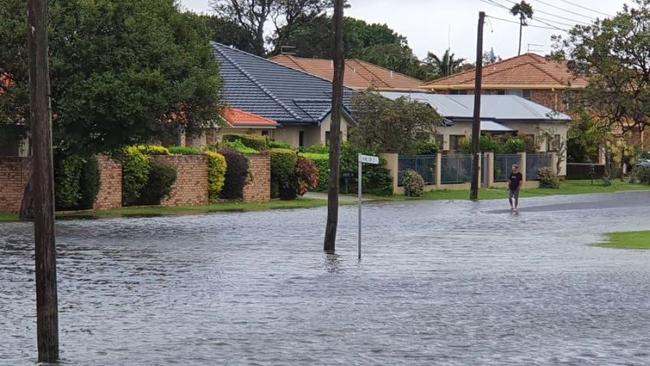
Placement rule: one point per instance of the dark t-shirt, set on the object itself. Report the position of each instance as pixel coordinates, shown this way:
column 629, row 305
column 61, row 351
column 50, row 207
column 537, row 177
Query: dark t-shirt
column 515, row 180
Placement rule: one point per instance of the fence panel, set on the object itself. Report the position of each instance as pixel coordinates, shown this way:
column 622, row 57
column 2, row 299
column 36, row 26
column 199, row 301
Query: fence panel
column 425, row 165
column 534, row 162
column 503, row 166
column 584, row 171
column 456, row 168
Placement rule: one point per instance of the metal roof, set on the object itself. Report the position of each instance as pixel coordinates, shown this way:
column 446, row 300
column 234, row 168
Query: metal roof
column 491, row 126
column 257, row 85
column 493, row 107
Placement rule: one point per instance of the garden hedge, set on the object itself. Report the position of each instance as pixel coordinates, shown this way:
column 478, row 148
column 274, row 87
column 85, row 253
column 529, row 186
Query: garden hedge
column 217, row 168
column 283, row 173
column 322, row 162
column 236, row 174
column 135, row 173
column 259, row 143
column 162, row 177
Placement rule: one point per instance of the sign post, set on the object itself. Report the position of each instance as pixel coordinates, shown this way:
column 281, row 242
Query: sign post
column 367, row 159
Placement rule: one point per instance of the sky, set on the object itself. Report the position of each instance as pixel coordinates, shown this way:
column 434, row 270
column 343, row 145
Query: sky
column 435, row 25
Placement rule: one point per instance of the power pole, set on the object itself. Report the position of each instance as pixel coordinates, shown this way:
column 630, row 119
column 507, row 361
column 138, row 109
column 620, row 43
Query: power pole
column 476, row 126
column 47, row 316
column 335, row 130
column 521, row 28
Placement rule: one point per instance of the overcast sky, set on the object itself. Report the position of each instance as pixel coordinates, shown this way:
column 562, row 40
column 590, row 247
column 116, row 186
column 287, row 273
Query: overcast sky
column 433, row 25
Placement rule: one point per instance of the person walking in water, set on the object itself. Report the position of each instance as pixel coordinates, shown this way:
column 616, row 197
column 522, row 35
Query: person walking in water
column 514, row 185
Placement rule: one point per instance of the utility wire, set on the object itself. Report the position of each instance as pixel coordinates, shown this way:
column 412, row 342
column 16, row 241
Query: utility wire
column 586, row 8
column 552, row 27
column 547, row 13
column 565, row 10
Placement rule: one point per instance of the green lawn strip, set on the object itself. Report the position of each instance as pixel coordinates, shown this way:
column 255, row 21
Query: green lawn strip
column 190, row 210
column 628, row 240
column 7, row 217
column 569, row 187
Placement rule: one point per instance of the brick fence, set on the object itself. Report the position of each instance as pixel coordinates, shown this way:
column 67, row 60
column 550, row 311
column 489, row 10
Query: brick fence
column 259, row 188
column 110, row 184
column 191, row 187
column 14, row 174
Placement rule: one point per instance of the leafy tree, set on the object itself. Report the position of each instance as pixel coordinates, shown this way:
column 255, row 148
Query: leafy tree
column 443, row 66
column 226, row 31
column 524, row 11
column 612, row 55
column 394, row 57
column 255, row 15
column 122, row 71
column 583, row 139
column 489, row 57
column 386, row 125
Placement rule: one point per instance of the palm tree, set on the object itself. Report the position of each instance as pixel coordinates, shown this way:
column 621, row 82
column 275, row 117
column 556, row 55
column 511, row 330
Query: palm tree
column 445, row 65
column 524, row 11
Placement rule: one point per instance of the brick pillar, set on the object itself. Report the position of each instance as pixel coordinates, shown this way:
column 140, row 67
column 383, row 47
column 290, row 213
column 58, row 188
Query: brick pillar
column 110, row 184
column 14, row 175
column 392, row 164
column 258, row 189
column 522, row 167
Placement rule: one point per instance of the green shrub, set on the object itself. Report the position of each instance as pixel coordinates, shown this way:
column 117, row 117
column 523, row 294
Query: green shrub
column 67, row 178
column 238, row 145
column 413, row 184
column 548, row 178
column 283, row 173
column 322, row 162
column 279, row 145
column 426, row 148
column 641, row 174
column 259, row 143
column 217, row 168
column 184, row 150
column 135, row 174
column 236, row 174
column 376, row 178
column 513, row 145
column 90, row 183
column 162, row 177
column 316, row 149
column 153, row 149
column 307, row 176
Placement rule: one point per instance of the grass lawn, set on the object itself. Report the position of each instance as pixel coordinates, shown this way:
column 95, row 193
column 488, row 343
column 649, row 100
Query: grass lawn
column 566, row 187
column 5, row 217
column 628, row 240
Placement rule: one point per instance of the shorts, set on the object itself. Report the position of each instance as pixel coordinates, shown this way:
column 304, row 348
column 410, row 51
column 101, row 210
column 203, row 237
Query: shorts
column 513, row 193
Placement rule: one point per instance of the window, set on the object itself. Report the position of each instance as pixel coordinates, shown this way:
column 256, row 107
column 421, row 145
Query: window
column 301, row 139
column 517, row 92
column 458, row 92
column 501, row 92
column 553, row 144
column 526, row 94
column 265, row 133
column 456, row 142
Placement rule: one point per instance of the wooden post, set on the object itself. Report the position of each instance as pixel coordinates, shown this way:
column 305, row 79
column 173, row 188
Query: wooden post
column 42, row 183
column 335, row 130
column 476, row 126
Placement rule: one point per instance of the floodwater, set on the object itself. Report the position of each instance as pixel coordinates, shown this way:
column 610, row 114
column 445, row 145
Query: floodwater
column 440, row 283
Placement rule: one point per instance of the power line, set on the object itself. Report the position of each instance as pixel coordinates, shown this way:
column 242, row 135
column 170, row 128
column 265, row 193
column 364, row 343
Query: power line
column 565, row 10
column 586, row 8
column 553, row 21
column 529, row 25
column 550, row 14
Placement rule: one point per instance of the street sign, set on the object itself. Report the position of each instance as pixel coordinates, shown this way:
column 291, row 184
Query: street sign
column 363, row 159
column 368, row 159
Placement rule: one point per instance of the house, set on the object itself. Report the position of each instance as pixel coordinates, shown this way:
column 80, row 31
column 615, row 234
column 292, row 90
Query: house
column 299, row 102
column 534, row 77
column 235, row 122
column 359, row 75
column 500, row 114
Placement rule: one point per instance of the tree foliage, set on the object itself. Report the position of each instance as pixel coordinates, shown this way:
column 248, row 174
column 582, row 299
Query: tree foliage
column 613, row 55
column 254, row 15
column 122, row 72
column 386, row 125
column 443, row 66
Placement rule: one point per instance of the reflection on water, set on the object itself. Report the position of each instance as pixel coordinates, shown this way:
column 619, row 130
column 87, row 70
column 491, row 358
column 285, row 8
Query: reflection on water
column 440, row 283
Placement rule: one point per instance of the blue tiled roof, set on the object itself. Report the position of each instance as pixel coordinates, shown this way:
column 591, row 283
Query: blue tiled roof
column 260, row 86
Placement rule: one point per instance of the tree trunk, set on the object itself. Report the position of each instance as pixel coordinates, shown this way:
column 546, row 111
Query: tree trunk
column 335, row 130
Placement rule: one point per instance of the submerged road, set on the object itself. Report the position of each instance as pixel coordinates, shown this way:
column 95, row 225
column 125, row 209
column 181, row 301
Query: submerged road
column 444, row 283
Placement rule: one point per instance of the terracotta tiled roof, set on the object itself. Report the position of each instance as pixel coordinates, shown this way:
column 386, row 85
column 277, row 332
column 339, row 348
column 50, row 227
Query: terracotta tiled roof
column 528, row 71
column 358, row 74
column 238, row 118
